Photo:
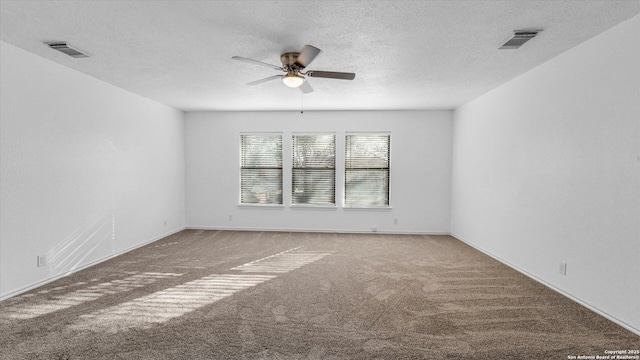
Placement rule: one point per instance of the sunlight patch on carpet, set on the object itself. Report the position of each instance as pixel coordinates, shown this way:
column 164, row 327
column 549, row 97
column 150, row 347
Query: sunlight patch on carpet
column 75, row 298
column 282, row 262
column 170, row 303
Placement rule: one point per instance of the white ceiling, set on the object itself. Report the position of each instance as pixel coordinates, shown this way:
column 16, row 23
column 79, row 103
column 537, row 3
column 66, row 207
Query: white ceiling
column 406, row 54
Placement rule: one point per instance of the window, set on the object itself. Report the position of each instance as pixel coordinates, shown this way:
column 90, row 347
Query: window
column 366, row 170
column 314, row 169
column 261, row 169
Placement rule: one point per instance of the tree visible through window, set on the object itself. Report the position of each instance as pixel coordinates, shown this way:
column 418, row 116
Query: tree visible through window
column 367, row 170
column 261, row 169
column 314, row 169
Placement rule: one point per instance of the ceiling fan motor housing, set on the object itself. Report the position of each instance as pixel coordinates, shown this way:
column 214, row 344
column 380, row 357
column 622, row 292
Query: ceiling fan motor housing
column 289, row 59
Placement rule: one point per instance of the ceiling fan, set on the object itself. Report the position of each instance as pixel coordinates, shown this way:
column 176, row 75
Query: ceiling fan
column 293, row 64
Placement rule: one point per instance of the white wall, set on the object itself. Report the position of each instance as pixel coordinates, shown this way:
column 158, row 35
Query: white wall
column 420, row 170
column 87, row 171
column 546, row 168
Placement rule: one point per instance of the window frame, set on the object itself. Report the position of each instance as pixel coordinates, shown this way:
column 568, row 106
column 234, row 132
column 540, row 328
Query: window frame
column 333, row 205
column 241, row 167
column 388, row 169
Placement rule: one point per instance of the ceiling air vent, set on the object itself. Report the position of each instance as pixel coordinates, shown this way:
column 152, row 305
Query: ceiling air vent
column 518, row 38
column 64, row 48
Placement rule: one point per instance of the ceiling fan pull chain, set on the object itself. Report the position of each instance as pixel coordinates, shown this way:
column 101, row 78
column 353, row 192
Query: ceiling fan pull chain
column 301, row 103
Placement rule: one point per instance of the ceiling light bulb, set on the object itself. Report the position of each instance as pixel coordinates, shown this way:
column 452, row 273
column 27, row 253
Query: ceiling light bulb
column 293, row 80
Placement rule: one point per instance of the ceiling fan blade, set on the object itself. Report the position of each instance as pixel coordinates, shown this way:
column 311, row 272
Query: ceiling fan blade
column 305, row 87
column 265, row 80
column 307, row 54
column 240, row 58
column 331, row 74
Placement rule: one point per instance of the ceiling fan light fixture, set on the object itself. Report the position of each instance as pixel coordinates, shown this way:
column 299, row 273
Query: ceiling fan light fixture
column 294, row 65
column 293, row 80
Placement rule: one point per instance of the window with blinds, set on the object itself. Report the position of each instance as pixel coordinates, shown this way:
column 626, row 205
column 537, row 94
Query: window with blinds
column 314, row 169
column 367, row 170
column 261, row 169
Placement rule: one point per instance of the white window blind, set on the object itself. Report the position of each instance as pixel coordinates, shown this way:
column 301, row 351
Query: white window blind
column 367, row 170
column 314, row 169
column 261, row 169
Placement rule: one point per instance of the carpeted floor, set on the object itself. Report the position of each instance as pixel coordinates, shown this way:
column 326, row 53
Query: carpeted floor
column 269, row 295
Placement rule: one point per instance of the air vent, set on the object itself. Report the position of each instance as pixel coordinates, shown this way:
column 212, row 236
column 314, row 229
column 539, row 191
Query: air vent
column 64, row 48
column 518, row 38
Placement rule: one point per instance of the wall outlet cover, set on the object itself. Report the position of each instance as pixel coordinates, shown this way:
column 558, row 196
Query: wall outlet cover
column 42, row 260
column 563, row 268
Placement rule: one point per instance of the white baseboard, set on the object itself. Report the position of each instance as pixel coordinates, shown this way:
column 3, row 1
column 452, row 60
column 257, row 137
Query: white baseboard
column 559, row 291
column 67, row 273
column 338, row 231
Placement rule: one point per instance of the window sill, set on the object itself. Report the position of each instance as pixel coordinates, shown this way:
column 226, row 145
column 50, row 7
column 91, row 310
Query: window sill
column 262, row 206
column 312, row 207
column 374, row 208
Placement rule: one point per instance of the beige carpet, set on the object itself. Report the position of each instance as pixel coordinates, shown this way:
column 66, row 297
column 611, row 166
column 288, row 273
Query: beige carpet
column 268, row 295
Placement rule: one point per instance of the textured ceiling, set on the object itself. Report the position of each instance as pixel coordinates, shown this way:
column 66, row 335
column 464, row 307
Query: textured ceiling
column 406, row 54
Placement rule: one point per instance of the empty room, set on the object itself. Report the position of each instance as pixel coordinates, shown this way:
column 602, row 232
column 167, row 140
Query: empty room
column 320, row 179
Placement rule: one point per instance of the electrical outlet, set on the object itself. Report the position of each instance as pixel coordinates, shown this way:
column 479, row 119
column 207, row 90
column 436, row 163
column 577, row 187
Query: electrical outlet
column 374, row 229
column 395, row 221
column 165, row 223
column 563, row 268
column 230, row 217
column 42, row 260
